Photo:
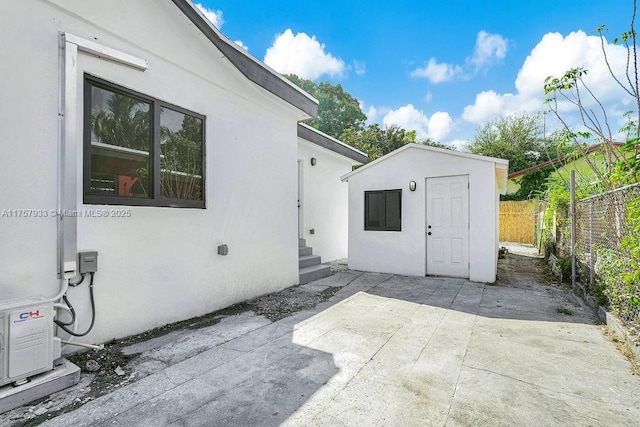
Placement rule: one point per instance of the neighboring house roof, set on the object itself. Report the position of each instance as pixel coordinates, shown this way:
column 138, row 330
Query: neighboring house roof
column 313, row 135
column 253, row 69
column 589, row 149
column 501, row 165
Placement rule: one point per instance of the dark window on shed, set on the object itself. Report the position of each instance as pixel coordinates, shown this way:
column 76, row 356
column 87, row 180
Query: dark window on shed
column 383, row 210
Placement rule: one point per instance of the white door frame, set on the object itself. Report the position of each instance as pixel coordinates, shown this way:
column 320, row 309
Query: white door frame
column 447, row 237
column 300, row 200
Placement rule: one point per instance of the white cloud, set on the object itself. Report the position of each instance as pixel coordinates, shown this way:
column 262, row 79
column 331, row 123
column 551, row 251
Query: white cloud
column 489, row 47
column 215, row 16
column 428, row 97
column 372, row 114
column 437, row 127
column 241, row 44
column 437, row 72
column 302, row 55
column 488, row 104
column 440, row 124
column 554, row 55
column 408, row 118
column 359, row 67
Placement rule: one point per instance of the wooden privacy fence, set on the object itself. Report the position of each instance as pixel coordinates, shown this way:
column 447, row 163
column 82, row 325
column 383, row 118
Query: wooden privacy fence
column 519, row 221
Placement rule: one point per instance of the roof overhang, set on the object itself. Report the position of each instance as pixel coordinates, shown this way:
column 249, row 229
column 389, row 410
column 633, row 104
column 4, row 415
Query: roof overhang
column 313, row 135
column 250, row 67
column 502, row 173
column 500, row 163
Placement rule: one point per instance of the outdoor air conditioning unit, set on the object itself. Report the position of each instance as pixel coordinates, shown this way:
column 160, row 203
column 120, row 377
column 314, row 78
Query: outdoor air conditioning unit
column 27, row 344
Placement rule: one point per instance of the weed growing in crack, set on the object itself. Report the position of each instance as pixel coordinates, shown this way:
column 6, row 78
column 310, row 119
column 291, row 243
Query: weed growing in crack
column 564, row 310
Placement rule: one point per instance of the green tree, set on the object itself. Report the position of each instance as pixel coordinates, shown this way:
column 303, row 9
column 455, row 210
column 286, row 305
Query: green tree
column 125, row 123
column 571, row 88
column 181, row 161
column 519, row 139
column 340, row 116
column 377, row 141
column 431, row 143
column 337, row 109
column 618, row 275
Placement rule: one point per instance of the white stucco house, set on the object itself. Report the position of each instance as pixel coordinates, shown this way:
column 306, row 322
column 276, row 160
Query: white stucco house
column 137, row 130
column 323, row 197
column 423, row 210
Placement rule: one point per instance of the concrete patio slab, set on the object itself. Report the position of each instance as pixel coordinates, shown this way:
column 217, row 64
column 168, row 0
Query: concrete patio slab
column 388, row 350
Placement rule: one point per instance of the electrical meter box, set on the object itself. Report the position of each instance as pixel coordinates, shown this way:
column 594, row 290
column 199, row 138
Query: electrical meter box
column 27, row 344
column 88, row 262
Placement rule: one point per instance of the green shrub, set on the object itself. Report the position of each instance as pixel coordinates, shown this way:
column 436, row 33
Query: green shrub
column 564, row 263
column 548, row 247
column 597, row 290
column 617, row 276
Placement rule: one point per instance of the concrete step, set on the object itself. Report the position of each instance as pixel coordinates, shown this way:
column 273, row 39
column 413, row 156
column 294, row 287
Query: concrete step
column 315, row 272
column 309, row 260
column 302, row 242
column 305, row 250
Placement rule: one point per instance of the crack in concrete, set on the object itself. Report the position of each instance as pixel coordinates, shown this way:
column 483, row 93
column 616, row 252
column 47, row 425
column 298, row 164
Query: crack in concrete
column 538, row 386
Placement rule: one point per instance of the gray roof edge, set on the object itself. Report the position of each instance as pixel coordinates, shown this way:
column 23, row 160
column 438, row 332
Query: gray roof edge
column 310, row 134
column 251, row 68
column 499, row 163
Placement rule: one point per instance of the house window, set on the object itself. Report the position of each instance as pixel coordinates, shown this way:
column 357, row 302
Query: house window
column 139, row 150
column 383, row 210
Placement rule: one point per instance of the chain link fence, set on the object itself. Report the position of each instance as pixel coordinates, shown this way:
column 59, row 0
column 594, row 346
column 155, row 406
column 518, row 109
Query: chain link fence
column 604, row 225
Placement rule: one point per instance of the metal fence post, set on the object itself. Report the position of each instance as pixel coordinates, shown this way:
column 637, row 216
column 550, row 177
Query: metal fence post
column 573, row 229
column 591, row 264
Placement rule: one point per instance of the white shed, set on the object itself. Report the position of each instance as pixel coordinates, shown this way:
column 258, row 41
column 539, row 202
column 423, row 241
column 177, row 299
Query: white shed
column 422, row 210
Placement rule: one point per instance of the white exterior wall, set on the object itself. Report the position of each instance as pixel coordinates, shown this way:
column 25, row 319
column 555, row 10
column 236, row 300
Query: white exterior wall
column 405, row 252
column 325, row 200
column 159, row 265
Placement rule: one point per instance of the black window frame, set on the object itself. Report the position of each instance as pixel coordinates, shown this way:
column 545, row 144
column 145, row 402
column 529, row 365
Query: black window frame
column 155, row 199
column 383, row 226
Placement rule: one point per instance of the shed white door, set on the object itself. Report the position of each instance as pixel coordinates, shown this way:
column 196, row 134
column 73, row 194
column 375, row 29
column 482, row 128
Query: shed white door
column 447, row 228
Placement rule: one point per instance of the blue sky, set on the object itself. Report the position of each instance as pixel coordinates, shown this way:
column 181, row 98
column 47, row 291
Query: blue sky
column 440, row 68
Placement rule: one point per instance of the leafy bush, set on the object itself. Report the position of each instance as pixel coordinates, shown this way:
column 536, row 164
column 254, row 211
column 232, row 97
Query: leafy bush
column 564, row 263
column 597, row 290
column 616, row 276
column 548, row 247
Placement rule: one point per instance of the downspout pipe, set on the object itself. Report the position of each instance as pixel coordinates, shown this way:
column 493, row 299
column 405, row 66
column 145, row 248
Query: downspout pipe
column 66, row 181
column 60, row 160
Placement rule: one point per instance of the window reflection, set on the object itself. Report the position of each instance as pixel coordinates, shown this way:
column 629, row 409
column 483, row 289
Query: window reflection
column 120, row 144
column 180, row 155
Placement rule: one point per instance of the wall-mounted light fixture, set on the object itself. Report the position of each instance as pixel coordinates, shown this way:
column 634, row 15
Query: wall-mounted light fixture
column 412, row 186
column 313, row 161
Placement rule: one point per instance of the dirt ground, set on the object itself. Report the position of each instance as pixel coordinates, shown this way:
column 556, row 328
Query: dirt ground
column 107, row 370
